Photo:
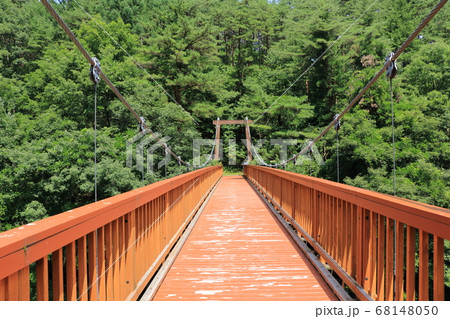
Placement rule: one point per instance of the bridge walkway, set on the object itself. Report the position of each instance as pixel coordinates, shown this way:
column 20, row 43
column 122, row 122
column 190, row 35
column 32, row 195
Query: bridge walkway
column 239, row 251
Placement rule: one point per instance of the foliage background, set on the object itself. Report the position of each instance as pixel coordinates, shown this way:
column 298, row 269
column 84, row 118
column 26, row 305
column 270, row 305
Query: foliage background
column 217, row 58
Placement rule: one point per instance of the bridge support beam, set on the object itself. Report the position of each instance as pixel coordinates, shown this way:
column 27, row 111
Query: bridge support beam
column 245, row 122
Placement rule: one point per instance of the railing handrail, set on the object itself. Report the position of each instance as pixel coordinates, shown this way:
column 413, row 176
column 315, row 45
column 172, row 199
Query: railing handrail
column 26, row 244
column 432, row 219
column 372, row 241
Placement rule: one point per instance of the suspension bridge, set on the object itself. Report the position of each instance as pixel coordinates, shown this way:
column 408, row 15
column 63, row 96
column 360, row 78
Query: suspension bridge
column 267, row 235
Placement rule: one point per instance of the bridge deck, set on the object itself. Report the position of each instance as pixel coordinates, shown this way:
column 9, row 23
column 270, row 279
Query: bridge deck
column 238, row 251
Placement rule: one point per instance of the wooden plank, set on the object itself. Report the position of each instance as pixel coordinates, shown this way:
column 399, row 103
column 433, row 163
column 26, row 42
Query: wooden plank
column 139, row 255
column 410, row 262
column 326, row 233
column 359, row 256
column 3, row 289
column 132, row 260
column 92, row 266
column 109, row 262
column 304, row 214
column 227, row 122
column 71, row 270
column 307, row 200
column 127, row 255
column 101, row 264
column 217, row 143
column 24, row 284
column 167, row 264
column 42, row 279
column 57, row 275
column 373, row 254
column 341, row 232
column 353, row 240
column 12, row 287
column 248, row 141
column 380, row 258
column 82, row 269
column 152, row 231
column 326, row 212
column 346, row 236
column 295, row 204
column 327, row 215
column 122, row 273
column 389, row 259
column 367, row 253
column 424, row 257
column 146, row 237
column 116, row 253
column 333, row 227
column 234, row 258
column 438, row 269
column 315, row 207
column 400, row 260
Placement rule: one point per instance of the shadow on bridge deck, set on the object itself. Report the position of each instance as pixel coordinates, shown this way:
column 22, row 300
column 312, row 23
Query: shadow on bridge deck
column 239, row 251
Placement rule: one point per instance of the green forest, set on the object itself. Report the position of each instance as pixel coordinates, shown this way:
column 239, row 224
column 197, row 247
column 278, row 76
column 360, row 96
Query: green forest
column 218, row 58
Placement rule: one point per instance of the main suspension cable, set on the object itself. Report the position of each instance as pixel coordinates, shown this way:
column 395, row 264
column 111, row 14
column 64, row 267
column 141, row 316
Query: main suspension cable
column 136, row 62
column 91, row 61
column 393, row 57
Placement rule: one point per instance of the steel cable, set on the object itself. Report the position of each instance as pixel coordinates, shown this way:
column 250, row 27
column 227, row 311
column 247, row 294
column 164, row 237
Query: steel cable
column 80, row 47
column 393, row 136
column 136, row 62
column 317, row 59
column 402, row 48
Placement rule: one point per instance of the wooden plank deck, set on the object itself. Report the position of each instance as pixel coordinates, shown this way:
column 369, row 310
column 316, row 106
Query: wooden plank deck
column 238, row 251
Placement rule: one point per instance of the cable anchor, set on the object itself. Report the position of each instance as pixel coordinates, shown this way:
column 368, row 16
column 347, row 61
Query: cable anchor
column 166, row 151
column 94, row 73
column 337, row 124
column 309, row 147
column 141, row 124
column 391, row 69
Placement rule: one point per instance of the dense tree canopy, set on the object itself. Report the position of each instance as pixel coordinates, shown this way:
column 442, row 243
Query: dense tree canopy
column 217, row 58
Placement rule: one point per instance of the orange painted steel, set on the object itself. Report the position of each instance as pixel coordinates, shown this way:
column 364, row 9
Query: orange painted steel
column 366, row 253
column 238, row 251
column 106, row 250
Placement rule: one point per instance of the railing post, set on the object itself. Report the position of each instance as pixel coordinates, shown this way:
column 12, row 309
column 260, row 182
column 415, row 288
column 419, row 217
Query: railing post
column 381, row 258
column 359, row 245
column 438, row 269
column 41, row 279
column 423, row 266
column 92, row 269
column 400, row 260
column 410, row 262
column 364, row 233
column 71, row 270
column 57, row 275
column 389, row 259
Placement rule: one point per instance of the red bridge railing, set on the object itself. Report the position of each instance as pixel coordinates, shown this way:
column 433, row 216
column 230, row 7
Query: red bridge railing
column 370, row 240
column 107, row 250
